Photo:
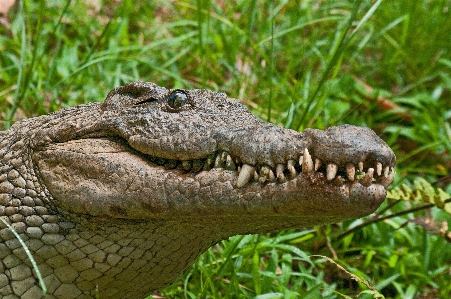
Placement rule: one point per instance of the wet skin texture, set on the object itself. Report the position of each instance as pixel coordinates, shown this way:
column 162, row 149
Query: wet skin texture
column 119, row 198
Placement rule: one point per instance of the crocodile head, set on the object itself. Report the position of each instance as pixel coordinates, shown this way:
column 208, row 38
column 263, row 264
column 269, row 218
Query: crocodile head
column 149, row 152
column 119, row 198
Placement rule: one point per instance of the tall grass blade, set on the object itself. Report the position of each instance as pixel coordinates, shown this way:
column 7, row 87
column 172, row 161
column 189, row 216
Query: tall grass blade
column 30, row 256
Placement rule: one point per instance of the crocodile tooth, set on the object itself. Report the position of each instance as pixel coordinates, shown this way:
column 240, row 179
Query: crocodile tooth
column 367, row 179
column 229, row 163
column 224, row 156
column 256, row 176
column 386, row 170
column 331, row 171
column 317, row 164
column 279, row 173
column 307, row 164
column 266, row 174
column 186, row 165
column 291, row 169
column 263, row 174
column 360, row 166
column 219, row 162
column 301, row 160
column 386, row 181
column 379, row 168
column 350, row 171
column 246, row 173
column 271, row 176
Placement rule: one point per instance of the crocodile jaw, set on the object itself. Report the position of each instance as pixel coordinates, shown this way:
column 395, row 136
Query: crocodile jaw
column 117, row 182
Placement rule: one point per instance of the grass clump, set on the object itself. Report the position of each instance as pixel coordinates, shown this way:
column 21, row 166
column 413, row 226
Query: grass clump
column 299, row 64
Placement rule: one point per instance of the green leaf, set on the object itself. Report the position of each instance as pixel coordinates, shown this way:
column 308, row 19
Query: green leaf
column 423, row 191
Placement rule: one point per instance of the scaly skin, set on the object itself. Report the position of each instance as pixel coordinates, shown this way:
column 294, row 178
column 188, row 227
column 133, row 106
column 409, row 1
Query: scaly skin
column 119, row 198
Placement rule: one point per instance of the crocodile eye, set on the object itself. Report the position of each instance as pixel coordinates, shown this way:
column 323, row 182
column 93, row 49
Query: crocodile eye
column 177, row 99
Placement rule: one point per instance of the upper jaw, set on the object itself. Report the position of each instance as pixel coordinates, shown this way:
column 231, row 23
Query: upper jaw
column 344, row 154
column 350, row 144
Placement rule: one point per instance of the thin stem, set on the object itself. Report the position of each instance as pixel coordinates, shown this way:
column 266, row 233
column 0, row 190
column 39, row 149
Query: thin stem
column 378, row 218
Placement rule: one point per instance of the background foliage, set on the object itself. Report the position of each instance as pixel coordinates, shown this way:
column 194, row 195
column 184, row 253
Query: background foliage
column 299, row 64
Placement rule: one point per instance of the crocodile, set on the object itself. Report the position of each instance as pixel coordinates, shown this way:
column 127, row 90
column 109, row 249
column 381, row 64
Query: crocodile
column 117, row 199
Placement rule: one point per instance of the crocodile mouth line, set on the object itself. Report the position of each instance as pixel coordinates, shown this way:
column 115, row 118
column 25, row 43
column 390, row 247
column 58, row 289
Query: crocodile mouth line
column 336, row 174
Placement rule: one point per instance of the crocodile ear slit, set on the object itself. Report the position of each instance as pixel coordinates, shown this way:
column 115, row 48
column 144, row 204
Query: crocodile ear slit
column 146, row 100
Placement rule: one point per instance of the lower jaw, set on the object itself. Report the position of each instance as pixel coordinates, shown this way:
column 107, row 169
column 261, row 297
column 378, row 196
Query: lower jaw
column 306, row 195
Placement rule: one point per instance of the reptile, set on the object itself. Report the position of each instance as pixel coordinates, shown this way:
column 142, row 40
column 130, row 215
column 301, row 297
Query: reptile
column 117, row 199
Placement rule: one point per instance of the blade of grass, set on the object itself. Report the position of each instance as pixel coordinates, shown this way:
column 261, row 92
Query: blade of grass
column 30, row 256
column 35, row 58
column 23, row 43
column 337, row 54
column 340, row 46
column 271, row 67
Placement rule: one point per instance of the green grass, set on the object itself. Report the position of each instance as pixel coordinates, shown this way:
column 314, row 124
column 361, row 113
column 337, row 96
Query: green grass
column 294, row 63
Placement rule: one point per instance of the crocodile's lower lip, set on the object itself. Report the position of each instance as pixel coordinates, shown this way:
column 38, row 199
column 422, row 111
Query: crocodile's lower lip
column 305, row 196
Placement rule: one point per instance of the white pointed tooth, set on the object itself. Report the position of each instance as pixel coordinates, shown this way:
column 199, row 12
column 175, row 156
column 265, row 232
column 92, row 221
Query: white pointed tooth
column 229, row 163
column 224, row 155
column 386, row 170
column 386, row 181
column 301, row 160
column 271, row 176
column 360, row 166
column 367, row 179
column 307, row 164
column 266, row 174
column 218, row 162
column 256, row 176
column 317, row 164
column 331, row 171
column 379, row 168
column 246, row 173
column 279, row 173
column 350, row 171
column 291, row 169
